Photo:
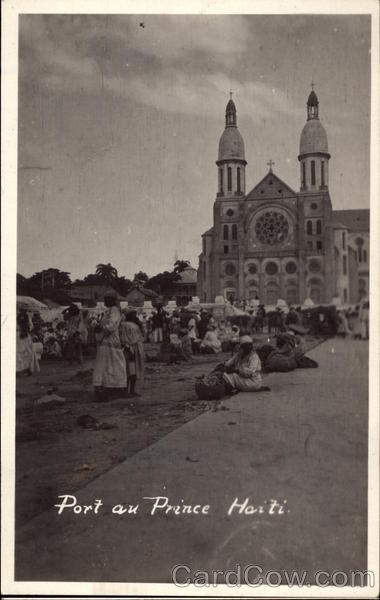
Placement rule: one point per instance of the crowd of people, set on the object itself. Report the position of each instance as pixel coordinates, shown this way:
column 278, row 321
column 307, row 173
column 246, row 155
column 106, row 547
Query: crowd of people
column 119, row 336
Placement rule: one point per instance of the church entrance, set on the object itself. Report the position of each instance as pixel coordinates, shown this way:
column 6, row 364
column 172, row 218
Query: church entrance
column 253, row 293
column 315, row 290
column 291, row 296
column 315, row 295
column 230, row 294
column 272, row 294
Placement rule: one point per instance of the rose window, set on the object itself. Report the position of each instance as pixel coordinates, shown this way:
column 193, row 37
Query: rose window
column 271, row 228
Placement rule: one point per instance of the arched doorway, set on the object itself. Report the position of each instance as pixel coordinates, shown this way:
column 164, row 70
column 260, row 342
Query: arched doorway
column 252, row 289
column 362, row 288
column 230, row 292
column 272, row 293
column 291, row 292
column 291, row 295
column 315, row 286
column 253, row 293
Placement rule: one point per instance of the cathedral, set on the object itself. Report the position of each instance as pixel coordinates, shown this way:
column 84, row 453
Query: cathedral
column 275, row 243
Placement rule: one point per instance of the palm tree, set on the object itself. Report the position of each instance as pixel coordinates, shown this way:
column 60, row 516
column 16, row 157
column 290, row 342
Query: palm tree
column 106, row 272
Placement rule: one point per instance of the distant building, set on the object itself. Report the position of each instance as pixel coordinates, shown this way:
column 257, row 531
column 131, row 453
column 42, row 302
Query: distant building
column 185, row 288
column 91, row 294
column 351, row 237
column 274, row 242
column 137, row 295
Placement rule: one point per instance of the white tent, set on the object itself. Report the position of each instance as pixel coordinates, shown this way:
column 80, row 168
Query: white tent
column 29, row 303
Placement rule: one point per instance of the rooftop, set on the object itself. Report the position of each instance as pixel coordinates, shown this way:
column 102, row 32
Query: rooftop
column 354, row 220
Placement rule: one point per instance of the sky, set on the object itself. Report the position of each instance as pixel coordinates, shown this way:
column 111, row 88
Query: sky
column 120, row 118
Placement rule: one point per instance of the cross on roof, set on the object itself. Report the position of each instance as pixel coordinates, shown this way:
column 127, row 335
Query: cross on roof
column 270, row 164
column 231, row 92
column 312, row 84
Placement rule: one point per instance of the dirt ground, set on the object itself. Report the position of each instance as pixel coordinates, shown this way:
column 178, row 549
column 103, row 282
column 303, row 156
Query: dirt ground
column 55, row 454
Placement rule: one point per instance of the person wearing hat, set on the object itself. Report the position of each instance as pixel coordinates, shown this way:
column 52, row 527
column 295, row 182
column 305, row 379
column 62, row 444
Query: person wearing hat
column 110, row 374
column 243, row 371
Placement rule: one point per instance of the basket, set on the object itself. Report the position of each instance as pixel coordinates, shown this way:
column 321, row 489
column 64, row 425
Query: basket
column 210, row 388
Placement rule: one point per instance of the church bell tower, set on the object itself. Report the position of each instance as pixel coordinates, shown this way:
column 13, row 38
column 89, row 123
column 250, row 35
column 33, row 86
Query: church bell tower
column 231, row 158
column 313, row 156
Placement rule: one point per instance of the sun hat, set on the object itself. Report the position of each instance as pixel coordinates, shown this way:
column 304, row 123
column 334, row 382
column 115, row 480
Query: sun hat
column 246, row 339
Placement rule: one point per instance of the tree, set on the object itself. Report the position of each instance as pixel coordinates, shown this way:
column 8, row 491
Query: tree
column 140, row 278
column 26, row 288
column 162, row 281
column 51, row 278
column 93, row 279
column 181, row 265
column 107, row 272
column 123, row 285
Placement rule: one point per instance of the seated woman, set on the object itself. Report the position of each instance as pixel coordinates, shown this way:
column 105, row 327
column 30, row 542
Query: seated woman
column 181, row 350
column 211, row 343
column 288, row 354
column 51, row 348
column 243, row 371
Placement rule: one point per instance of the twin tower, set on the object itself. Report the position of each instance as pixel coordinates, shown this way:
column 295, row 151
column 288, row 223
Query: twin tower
column 313, row 154
column 271, row 242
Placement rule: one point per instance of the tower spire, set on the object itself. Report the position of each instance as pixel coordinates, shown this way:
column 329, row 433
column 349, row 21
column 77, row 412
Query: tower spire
column 231, row 157
column 231, row 112
column 312, row 104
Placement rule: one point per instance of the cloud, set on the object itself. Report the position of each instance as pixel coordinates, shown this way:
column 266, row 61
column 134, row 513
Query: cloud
column 174, row 64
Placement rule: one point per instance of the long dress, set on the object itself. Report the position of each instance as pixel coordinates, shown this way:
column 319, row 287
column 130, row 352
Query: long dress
column 26, row 357
column 110, row 370
column 248, row 375
column 192, row 326
column 132, row 339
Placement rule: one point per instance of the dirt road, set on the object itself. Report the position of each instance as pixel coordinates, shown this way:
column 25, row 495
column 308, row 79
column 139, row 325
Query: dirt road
column 54, row 452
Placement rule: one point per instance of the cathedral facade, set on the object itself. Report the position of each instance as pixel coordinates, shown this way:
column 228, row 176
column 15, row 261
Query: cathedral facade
column 275, row 243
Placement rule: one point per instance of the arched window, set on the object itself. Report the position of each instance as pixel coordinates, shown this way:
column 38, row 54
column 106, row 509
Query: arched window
column 221, row 179
column 303, row 174
column 313, row 172
column 238, row 183
column 309, row 228
column 364, row 255
column 344, row 265
column 322, row 173
column 229, row 179
column 234, row 231
column 225, row 232
column 360, row 253
column 319, row 227
column 343, row 240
